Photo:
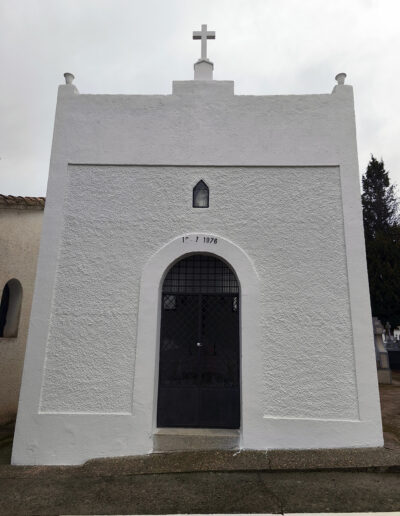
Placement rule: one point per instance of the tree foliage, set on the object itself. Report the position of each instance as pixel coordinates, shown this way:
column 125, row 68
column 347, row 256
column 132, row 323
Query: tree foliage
column 380, row 206
column 382, row 238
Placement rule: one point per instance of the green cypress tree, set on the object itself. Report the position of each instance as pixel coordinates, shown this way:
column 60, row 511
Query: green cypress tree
column 380, row 206
column 382, row 239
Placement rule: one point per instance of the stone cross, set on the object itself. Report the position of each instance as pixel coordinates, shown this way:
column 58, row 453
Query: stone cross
column 204, row 35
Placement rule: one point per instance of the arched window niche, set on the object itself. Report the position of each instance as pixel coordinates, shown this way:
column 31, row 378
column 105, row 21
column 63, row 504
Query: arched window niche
column 201, row 195
column 10, row 308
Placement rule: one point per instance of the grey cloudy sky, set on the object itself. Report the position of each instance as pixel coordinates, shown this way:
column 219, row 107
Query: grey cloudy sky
column 140, row 46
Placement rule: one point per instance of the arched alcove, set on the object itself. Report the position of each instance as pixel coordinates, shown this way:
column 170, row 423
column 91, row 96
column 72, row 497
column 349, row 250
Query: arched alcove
column 10, row 308
column 145, row 391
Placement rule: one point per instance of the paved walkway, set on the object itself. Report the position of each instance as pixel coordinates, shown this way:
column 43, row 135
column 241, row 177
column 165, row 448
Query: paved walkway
column 209, row 482
column 48, row 492
column 356, row 480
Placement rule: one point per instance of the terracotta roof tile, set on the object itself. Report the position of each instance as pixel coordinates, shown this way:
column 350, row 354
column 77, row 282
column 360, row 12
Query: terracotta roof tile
column 12, row 200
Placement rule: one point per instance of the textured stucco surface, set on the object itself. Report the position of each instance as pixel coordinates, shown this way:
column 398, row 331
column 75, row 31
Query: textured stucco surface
column 285, row 205
column 19, row 246
column 289, row 221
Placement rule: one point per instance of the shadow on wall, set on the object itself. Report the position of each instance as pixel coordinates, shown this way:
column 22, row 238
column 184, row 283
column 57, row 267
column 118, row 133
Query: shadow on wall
column 10, row 308
column 6, row 441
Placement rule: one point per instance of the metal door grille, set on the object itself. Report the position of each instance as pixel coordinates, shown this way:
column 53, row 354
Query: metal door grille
column 199, row 378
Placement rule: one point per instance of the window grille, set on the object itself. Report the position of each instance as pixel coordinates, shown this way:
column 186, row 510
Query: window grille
column 201, row 274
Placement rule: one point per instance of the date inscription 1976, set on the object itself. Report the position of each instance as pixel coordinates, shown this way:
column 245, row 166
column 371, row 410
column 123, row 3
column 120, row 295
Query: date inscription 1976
column 200, row 239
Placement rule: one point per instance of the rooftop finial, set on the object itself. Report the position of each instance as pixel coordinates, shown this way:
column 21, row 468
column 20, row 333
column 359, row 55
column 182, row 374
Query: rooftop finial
column 203, row 68
column 69, row 77
column 340, row 77
column 204, row 35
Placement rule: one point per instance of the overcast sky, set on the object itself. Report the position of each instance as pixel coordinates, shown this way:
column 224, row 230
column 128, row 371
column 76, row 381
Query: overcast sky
column 140, row 46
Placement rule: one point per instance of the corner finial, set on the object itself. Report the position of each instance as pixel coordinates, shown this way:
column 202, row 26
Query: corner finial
column 69, row 77
column 340, row 78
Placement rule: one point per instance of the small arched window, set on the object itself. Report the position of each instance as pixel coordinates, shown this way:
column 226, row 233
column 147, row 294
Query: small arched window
column 201, row 195
column 10, row 308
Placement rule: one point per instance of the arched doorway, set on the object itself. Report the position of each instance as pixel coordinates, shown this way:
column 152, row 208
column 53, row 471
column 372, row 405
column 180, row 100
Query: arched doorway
column 199, row 368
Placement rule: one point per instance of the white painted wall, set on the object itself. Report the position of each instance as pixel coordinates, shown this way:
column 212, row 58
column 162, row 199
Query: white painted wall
column 20, row 229
column 285, row 205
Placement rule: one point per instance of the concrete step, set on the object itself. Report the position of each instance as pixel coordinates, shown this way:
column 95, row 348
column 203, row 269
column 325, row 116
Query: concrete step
column 186, row 439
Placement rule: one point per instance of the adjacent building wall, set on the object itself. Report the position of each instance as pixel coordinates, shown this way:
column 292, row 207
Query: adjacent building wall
column 20, row 228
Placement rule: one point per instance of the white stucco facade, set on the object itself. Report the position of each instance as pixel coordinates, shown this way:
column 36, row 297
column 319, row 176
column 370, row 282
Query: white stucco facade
column 285, row 210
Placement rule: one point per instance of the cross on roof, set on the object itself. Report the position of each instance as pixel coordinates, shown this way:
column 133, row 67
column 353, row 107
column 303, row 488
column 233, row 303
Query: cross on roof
column 204, row 36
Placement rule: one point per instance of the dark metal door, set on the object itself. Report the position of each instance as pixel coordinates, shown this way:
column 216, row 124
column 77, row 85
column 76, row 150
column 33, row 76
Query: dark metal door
column 199, row 370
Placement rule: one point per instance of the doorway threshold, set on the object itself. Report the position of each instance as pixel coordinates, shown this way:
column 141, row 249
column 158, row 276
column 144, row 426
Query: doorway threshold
column 181, row 439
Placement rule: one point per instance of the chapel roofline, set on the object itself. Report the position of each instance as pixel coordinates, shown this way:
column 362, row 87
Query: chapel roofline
column 204, row 84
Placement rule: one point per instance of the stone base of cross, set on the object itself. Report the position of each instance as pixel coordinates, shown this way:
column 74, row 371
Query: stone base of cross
column 203, row 70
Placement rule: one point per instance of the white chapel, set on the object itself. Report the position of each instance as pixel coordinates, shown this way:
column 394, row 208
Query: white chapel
column 201, row 277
